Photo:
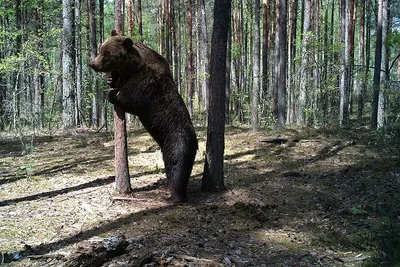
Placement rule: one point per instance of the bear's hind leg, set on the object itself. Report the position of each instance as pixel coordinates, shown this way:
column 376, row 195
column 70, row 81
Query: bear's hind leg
column 178, row 160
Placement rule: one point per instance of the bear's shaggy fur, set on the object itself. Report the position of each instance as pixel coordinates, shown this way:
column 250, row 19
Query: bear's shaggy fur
column 143, row 85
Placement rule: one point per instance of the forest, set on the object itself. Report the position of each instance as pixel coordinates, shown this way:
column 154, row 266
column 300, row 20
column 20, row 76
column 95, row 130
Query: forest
column 305, row 62
column 303, row 97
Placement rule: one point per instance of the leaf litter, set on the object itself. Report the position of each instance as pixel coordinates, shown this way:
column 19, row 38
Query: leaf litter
column 295, row 197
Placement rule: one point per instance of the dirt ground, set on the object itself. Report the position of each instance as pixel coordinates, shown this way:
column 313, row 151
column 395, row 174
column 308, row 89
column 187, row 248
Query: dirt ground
column 294, row 197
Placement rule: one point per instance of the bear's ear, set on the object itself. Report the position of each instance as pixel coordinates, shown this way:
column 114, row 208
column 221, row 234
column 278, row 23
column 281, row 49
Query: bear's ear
column 114, row 32
column 128, row 44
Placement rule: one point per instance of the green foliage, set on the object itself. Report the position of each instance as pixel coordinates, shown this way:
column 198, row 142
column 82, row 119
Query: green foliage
column 393, row 39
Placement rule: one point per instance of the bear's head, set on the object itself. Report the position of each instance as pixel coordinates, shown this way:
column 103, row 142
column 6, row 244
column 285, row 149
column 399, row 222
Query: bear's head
column 117, row 53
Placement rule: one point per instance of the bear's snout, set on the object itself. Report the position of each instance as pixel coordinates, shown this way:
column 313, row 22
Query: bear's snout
column 93, row 65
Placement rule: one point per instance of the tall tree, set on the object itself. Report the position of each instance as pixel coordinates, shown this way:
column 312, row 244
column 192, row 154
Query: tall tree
column 140, row 19
column 204, row 51
column 213, row 175
column 280, row 62
column 265, row 48
column 78, row 62
column 291, row 61
column 304, row 68
column 190, row 61
column 344, row 70
column 377, row 68
column 384, row 65
column 256, row 66
column 93, row 54
column 38, row 75
column 122, row 179
column 360, row 79
column 131, row 17
column 68, row 61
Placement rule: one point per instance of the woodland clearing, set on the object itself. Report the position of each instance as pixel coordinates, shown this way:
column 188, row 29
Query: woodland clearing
column 294, row 197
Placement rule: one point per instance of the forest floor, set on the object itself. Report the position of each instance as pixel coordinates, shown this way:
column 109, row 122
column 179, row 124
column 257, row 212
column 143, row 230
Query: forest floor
column 320, row 198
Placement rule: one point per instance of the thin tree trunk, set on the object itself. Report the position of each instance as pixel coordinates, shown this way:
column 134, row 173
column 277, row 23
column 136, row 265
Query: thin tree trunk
column 256, row 66
column 280, row 62
column 139, row 19
column 93, row 54
column 68, row 65
column 344, row 71
column 377, row 69
column 213, row 175
column 228, row 78
column 122, row 179
column 304, row 69
column 190, row 61
column 290, row 116
column 384, row 65
column 205, row 57
column 131, row 17
column 78, row 62
column 104, row 119
column 352, row 30
column 360, row 80
column 265, row 54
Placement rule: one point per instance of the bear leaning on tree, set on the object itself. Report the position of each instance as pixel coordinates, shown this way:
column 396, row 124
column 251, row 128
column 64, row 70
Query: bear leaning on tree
column 142, row 85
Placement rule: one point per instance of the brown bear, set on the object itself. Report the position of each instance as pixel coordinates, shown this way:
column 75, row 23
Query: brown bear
column 142, row 85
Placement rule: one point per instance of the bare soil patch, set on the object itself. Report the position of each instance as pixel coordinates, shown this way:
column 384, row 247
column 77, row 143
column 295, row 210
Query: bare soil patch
column 319, row 198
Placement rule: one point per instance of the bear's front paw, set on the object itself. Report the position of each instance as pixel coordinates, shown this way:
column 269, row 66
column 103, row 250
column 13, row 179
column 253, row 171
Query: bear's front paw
column 112, row 79
column 112, row 96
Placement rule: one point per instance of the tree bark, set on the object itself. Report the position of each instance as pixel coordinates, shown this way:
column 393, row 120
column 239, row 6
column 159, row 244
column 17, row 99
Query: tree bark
column 122, row 179
column 304, row 69
column 343, row 90
column 280, row 62
column 213, row 175
column 360, row 80
column 68, row 65
column 204, row 51
column 78, row 63
column 190, row 61
column 139, row 19
column 377, row 69
column 265, row 52
column 290, row 116
column 384, row 66
column 93, row 54
column 256, row 66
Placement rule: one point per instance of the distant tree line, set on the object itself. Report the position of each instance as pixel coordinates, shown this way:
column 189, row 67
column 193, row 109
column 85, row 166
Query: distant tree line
column 304, row 62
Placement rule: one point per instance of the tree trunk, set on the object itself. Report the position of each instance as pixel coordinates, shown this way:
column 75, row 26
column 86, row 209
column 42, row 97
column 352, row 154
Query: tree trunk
column 228, row 78
column 68, row 65
column 213, row 175
column 304, row 69
column 265, row 54
column 343, row 107
column 280, row 62
column 190, row 61
column 78, row 63
column 205, row 57
column 131, row 17
column 104, row 119
column 139, row 18
column 384, row 66
column 122, row 179
column 377, row 69
column 256, row 66
column 291, row 63
column 360, row 80
column 93, row 54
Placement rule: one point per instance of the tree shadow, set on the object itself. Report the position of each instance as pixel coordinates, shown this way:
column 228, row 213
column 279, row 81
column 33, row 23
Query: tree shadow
column 8, row 178
column 98, row 230
column 94, row 183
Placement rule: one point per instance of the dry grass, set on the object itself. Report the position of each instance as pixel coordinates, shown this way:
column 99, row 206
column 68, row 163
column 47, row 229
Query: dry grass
column 330, row 198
